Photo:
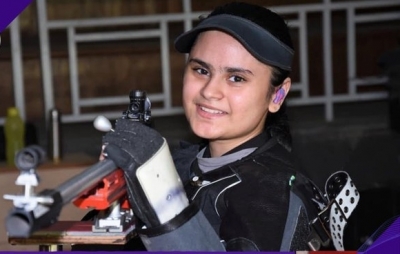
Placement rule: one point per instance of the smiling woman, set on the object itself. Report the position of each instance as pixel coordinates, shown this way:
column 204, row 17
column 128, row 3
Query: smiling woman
column 235, row 82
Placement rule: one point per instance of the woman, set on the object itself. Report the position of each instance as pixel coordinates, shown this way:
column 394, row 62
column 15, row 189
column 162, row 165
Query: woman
column 237, row 77
column 242, row 181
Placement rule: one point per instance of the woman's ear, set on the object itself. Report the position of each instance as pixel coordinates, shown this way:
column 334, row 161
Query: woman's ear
column 279, row 95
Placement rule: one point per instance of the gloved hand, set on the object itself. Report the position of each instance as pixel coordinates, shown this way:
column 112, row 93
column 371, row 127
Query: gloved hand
column 155, row 191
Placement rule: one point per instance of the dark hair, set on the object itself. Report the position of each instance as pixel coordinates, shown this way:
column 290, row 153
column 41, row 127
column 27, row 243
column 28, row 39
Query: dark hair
column 277, row 124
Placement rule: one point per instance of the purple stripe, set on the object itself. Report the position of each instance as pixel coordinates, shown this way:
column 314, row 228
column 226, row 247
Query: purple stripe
column 9, row 10
column 388, row 242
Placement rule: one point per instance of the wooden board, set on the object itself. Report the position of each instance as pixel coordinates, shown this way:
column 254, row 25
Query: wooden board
column 74, row 232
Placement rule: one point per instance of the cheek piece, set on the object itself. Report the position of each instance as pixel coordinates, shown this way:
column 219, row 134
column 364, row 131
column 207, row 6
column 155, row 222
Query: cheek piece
column 280, row 94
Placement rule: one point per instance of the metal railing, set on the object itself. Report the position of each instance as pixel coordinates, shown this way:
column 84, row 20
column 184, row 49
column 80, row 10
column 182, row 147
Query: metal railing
column 17, row 68
column 326, row 7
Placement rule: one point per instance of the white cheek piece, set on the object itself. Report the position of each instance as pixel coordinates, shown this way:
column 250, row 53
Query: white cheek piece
column 343, row 198
column 162, row 185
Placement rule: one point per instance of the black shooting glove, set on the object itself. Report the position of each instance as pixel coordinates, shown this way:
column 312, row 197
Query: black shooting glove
column 130, row 145
column 155, row 191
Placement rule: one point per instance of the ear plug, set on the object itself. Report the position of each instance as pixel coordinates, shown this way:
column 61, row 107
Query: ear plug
column 280, row 94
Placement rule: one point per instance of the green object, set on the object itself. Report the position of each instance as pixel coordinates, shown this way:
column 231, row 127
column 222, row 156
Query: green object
column 292, row 178
column 14, row 131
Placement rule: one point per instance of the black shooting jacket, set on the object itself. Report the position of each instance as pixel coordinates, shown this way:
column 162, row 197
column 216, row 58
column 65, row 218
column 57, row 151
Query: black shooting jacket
column 257, row 203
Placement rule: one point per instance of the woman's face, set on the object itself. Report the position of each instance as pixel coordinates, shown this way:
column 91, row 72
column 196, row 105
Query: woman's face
column 225, row 90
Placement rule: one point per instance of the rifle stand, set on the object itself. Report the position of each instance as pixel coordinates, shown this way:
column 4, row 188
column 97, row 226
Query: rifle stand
column 63, row 233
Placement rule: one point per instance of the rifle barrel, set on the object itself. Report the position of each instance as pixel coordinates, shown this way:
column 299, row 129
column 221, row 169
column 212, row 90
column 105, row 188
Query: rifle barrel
column 72, row 188
column 22, row 221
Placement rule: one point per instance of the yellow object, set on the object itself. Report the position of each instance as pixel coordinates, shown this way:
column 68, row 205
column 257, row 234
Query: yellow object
column 14, row 131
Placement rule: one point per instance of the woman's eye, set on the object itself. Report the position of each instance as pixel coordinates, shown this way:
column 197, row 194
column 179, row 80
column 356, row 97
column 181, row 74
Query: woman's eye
column 236, row 79
column 201, row 71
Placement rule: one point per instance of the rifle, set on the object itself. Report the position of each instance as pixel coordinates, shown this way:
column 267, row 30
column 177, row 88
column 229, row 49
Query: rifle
column 100, row 187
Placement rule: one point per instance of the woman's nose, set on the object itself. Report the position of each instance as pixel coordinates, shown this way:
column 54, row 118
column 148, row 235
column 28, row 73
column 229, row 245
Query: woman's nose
column 212, row 89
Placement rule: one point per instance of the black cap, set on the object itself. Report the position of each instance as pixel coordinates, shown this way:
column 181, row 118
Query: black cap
column 257, row 40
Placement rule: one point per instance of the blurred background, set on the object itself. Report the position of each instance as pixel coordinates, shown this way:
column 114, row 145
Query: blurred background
column 83, row 58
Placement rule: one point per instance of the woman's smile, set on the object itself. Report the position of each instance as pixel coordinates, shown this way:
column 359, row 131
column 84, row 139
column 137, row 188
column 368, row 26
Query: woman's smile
column 209, row 112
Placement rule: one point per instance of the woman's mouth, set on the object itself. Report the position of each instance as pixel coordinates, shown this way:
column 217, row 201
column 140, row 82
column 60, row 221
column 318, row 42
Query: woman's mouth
column 212, row 111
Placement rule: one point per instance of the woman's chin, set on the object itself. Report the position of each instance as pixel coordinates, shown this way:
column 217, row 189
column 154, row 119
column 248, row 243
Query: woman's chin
column 205, row 133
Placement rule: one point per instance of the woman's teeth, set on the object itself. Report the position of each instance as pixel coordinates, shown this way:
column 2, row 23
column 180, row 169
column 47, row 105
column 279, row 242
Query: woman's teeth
column 212, row 111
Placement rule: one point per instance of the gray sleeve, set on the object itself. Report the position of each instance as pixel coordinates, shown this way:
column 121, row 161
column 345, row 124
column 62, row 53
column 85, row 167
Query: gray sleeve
column 188, row 231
